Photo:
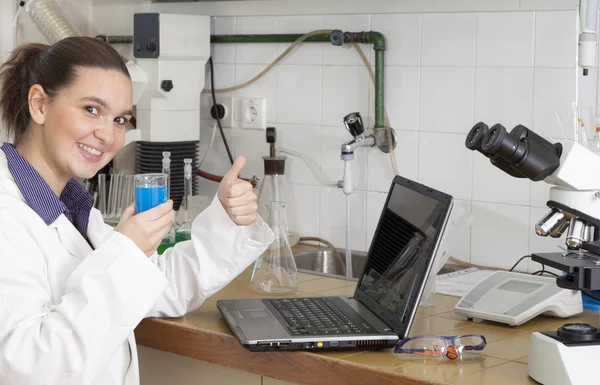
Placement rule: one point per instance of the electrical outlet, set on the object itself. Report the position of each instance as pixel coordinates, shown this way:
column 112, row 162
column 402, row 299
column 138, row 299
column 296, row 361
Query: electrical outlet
column 225, row 101
column 254, row 113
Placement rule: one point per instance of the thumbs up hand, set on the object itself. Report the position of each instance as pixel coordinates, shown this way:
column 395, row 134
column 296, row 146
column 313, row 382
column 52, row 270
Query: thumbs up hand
column 237, row 197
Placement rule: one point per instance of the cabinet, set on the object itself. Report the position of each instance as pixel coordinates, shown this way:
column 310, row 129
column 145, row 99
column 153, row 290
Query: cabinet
column 159, row 368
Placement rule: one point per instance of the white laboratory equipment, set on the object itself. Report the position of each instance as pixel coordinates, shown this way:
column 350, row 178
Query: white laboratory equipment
column 574, row 203
column 515, row 298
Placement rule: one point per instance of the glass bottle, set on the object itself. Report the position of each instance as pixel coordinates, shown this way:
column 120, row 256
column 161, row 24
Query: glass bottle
column 184, row 231
column 274, row 189
column 275, row 270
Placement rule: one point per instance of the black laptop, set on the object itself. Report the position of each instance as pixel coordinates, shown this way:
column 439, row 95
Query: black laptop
column 385, row 301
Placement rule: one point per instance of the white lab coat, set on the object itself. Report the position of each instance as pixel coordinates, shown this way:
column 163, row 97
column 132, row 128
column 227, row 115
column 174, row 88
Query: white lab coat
column 67, row 311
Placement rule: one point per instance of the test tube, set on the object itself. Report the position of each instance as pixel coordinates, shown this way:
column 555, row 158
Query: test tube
column 166, row 169
column 102, row 193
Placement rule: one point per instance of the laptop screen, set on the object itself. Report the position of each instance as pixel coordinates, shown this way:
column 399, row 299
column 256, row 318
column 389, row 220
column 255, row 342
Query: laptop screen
column 401, row 252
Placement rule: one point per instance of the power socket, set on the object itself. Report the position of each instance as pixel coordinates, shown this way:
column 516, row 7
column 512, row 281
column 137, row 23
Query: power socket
column 228, row 113
column 254, row 113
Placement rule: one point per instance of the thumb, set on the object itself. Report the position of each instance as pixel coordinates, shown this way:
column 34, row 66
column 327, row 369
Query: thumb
column 236, row 168
column 128, row 212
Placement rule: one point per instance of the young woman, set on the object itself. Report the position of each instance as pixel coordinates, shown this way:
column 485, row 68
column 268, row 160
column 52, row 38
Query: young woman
column 72, row 289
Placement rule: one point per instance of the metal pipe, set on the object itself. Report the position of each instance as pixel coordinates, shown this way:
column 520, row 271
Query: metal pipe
column 372, row 37
column 267, row 38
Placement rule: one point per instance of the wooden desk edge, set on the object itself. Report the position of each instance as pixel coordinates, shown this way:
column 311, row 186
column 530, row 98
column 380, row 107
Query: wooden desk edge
column 224, row 349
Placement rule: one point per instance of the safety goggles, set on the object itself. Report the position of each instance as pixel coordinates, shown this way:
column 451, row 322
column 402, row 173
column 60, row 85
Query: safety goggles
column 435, row 348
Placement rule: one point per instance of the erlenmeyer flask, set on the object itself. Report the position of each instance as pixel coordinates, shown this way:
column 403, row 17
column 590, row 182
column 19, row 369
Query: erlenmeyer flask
column 275, row 270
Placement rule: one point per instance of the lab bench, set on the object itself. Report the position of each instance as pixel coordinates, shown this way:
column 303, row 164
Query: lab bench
column 203, row 335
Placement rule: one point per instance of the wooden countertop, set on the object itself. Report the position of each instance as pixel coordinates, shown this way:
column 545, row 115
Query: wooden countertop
column 204, row 335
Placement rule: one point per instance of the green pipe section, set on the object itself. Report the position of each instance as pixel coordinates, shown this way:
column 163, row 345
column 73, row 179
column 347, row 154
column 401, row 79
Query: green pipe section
column 372, row 37
column 279, row 38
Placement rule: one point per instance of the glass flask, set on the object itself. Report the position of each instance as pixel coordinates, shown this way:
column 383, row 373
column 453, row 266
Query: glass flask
column 275, row 270
column 184, row 231
column 274, row 189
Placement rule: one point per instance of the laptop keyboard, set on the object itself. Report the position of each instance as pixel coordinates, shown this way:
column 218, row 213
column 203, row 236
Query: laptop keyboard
column 310, row 316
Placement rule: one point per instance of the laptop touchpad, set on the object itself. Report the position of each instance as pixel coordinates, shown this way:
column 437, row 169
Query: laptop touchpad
column 258, row 322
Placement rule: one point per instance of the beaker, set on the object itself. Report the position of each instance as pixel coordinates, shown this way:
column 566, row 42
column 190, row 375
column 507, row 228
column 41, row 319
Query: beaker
column 275, row 270
column 150, row 191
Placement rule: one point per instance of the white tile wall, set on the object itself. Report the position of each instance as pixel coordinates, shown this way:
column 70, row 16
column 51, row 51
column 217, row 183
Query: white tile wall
column 505, row 39
column 504, row 95
column 500, row 234
column 341, row 96
column 554, row 36
column 444, row 72
column 448, row 39
column 447, row 99
column 445, row 164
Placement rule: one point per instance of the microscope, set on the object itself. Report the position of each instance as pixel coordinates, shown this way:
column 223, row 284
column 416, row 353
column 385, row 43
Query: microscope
column 569, row 354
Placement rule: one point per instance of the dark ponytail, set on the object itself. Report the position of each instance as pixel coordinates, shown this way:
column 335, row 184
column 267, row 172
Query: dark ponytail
column 17, row 75
column 52, row 67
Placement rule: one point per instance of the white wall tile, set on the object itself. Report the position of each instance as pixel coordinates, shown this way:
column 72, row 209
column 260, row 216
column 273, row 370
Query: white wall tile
column 307, row 53
column 340, row 96
column 490, row 184
column 345, row 55
column 445, row 164
column 299, row 95
column 375, row 203
column 462, row 249
column 446, row 103
column 505, row 39
column 380, row 173
column 217, row 161
column 224, row 76
column 539, row 244
column 401, row 98
column 332, row 139
column 264, row 88
column 500, row 235
column 504, row 95
column 333, row 218
column 554, row 91
column 223, row 53
column 303, row 209
column 302, row 139
column 448, row 39
column 540, row 193
column 555, row 39
column 403, row 37
column 253, row 145
column 260, row 53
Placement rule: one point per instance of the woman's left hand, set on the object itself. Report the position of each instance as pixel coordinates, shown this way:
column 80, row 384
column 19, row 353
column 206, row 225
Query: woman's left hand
column 237, row 197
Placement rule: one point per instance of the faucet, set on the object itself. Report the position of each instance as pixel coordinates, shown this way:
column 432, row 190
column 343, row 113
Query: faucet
column 354, row 124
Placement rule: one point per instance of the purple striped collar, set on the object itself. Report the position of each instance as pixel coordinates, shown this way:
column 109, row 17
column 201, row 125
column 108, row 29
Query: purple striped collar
column 75, row 202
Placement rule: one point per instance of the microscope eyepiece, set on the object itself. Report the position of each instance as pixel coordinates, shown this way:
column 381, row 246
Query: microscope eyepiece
column 475, row 137
column 520, row 153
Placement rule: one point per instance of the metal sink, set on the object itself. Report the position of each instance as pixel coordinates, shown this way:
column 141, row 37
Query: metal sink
column 324, row 262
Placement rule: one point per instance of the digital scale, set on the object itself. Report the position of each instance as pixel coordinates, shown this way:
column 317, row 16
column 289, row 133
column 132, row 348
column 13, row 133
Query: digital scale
column 515, row 298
